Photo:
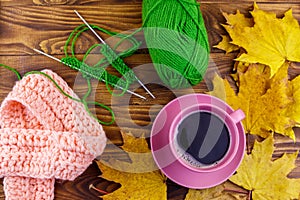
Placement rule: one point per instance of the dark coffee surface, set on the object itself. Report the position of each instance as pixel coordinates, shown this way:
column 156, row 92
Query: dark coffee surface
column 204, row 137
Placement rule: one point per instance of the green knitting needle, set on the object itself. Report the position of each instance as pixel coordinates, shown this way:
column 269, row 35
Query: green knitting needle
column 58, row 60
column 116, row 60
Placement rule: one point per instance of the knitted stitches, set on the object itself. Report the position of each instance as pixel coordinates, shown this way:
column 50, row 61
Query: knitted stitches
column 44, row 135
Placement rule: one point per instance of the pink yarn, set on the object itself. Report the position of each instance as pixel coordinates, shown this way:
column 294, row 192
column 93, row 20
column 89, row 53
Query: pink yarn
column 44, row 136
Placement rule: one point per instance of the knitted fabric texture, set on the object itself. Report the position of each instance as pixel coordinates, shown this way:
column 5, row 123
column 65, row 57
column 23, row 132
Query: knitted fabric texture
column 44, row 136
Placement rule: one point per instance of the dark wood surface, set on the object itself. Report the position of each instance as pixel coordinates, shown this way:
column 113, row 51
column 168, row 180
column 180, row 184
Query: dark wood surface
column 46, row 24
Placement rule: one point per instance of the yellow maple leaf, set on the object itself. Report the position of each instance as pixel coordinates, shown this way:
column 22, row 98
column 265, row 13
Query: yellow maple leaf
column 242, row 67
column 264, row 100
column 233, row 20
column 237, row 19
column 139, row 179
column 226, row 45
column 215, row 193
column 271, row 41
column 267, row 179
column 293, row 109
column 210, row 193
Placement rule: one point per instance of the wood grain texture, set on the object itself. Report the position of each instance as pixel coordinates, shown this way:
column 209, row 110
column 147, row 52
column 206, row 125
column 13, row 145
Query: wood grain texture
column 122, row 2
column 46, row 24
column 47, row 27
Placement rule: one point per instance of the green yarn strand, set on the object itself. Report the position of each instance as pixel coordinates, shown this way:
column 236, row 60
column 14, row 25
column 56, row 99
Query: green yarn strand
column 177, row 40
column 55, row 83
column 76, row 33
column 12, row 70
column 87, row 103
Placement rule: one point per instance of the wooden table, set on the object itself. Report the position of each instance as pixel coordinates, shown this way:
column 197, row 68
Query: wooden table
column 46, row 24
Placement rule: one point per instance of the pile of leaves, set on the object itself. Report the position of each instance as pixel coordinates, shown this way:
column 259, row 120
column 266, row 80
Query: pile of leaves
column 267, row 45
column 147, row 183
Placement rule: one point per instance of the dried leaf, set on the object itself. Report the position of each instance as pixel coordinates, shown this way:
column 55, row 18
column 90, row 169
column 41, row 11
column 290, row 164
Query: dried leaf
column 226, row 46
column 242, row 67
column 233, row 20
column 271, row 41
column 294, row 94
column 265, row 101
column 210, row 193
column 214, row 193
column 139, row 179
column 267, row 179
column 238, row 19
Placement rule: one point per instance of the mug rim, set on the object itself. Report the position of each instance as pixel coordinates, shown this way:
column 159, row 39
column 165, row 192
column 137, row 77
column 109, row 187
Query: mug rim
column 230, row 124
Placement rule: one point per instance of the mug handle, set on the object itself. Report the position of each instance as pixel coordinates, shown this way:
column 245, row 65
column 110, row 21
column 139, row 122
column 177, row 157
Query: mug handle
column 237, row 115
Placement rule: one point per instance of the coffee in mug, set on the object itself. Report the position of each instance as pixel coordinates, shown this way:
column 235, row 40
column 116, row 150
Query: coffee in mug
column 202, row 139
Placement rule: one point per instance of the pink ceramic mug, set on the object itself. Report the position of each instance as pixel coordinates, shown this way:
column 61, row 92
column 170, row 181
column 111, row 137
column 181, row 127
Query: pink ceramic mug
column 169, row 143
column 220, row 130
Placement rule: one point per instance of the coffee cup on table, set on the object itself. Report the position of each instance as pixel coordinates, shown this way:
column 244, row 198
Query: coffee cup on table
column 198, row 140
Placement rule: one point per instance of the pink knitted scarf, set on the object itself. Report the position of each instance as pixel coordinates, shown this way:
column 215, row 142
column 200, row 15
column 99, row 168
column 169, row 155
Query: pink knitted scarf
column 44, row 136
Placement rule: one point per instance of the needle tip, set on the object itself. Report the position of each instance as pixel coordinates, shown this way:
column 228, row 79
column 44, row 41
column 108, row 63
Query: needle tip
column 147, row 90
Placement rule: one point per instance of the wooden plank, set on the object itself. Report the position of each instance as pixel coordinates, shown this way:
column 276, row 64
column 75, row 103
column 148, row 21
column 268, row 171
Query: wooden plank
column 122, row 2
column 67, row 2
column 47, row 27
column 79, row 188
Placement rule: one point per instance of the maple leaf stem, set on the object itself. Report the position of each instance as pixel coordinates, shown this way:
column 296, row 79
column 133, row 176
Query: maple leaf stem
column 97, row 189
column 248, row 144
column 249, row 195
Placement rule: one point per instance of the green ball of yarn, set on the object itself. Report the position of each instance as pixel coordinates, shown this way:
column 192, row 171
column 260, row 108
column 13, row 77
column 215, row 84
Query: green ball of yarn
column 177, row 40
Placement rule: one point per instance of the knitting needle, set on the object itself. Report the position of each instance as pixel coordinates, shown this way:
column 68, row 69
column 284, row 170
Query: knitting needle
column 58, row 60
column 102, row 41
